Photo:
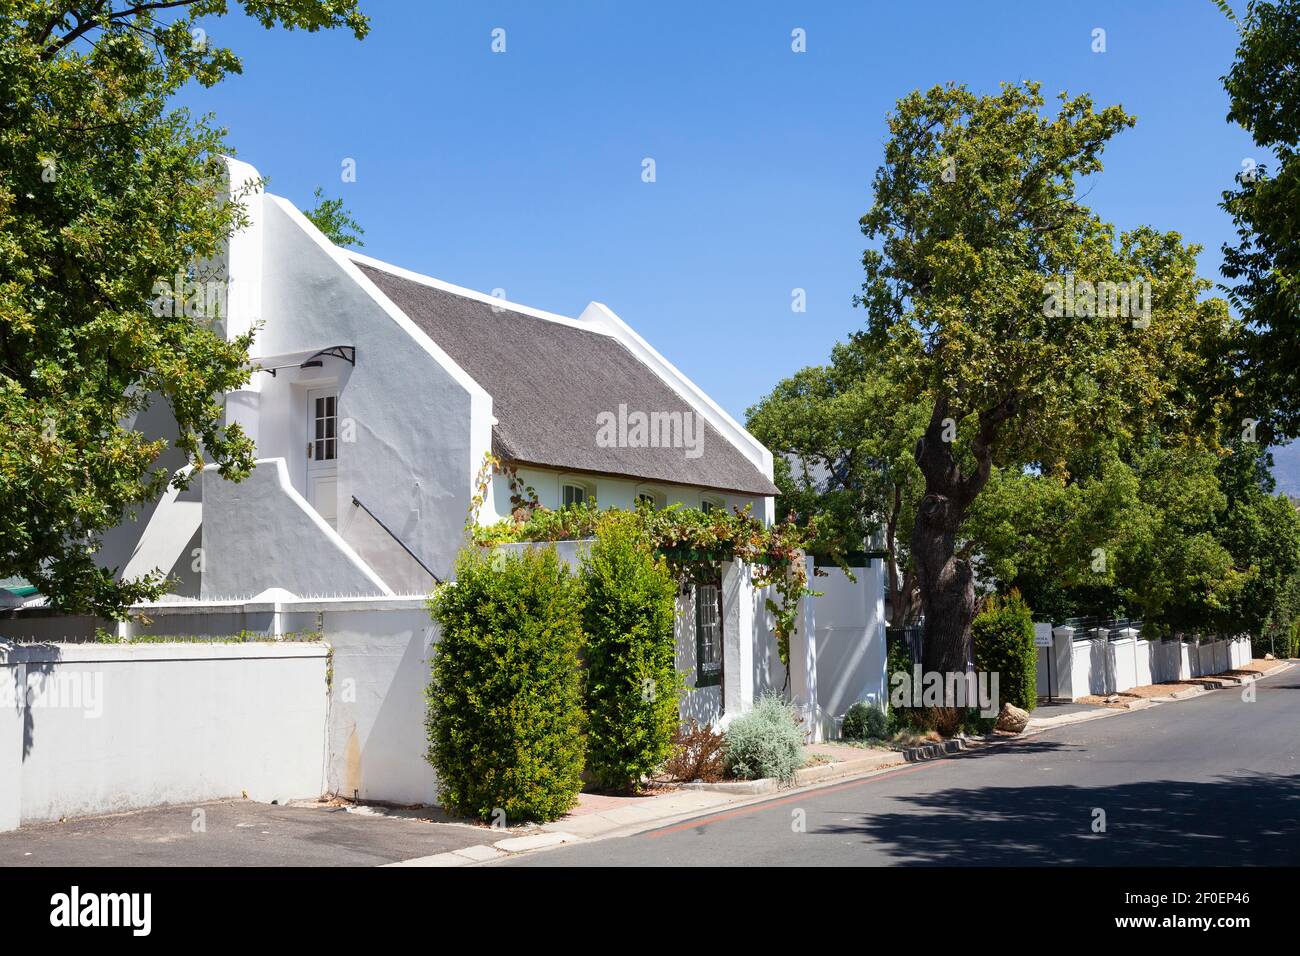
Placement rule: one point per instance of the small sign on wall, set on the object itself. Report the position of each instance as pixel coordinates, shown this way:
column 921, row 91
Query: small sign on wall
column 1042, row 635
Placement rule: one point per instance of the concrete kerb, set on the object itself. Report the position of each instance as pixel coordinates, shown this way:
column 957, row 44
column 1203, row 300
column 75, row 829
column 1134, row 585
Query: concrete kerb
column 600, row 827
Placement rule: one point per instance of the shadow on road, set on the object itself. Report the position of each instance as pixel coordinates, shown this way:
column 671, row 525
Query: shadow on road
column 1240, row 820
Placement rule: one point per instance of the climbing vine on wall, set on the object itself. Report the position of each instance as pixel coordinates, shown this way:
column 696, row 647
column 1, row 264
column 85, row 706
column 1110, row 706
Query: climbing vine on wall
column 695, row 543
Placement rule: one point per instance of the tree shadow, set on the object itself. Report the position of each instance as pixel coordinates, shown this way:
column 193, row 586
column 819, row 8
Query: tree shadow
column 1247, row 819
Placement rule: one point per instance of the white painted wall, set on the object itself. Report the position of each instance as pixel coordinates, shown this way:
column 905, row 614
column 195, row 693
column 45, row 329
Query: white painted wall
column 1124, row 665
column 611, row 492
column 260, row 533
column 377, row 742
column 1093, row 666
column 1145, row 664
column 99, row 728
column 769, row 672
column 850, row 630
column 420, row 425
column 374, row 736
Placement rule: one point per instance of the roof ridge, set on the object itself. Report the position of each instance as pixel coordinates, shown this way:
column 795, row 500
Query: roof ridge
column 495, row 301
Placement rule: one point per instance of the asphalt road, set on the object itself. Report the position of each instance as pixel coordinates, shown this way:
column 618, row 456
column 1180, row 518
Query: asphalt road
column 1213, row 780
column 233, row 833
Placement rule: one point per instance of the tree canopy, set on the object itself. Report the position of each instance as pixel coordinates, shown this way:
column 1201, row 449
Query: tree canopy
column 1264, row 265
column 843, row 441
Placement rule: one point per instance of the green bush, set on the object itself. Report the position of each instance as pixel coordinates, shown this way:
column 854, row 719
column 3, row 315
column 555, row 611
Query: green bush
column 898, row 660
column 1004, row 645
column 766, row 742
column 632, row 684
column 864, row 721
column 505, row 722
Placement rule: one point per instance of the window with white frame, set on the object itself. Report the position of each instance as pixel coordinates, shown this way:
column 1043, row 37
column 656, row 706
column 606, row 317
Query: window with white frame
column 650, row 497
column 574, row 493
column 708, row 634
column 324, row 422
column 712, row 504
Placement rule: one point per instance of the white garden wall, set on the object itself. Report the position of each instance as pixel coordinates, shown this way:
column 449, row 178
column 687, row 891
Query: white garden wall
column 379, row 670
column 849, row 621
column 97, row 728
column 1089, row 663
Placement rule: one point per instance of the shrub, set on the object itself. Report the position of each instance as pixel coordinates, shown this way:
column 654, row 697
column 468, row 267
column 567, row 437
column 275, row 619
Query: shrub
column 632, row 684
column 898, row 660
column 697, row 754
column 864, row 721
column 504, row 722
column 766, row 742
column 1004, row 645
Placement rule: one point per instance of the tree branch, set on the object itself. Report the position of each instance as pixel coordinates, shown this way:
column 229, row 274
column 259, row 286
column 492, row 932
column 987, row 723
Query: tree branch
column 95, row 19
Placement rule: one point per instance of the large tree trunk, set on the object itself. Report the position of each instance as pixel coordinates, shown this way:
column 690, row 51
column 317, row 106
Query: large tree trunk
column 947, row 585
column 946, row 581
column 903, row 598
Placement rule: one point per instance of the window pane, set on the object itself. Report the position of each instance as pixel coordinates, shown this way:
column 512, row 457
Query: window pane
column 708, row 628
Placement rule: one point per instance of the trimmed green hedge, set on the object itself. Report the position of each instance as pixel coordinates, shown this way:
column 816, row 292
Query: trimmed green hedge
column 632, row 684
column 505, row 719
column 1004, row 644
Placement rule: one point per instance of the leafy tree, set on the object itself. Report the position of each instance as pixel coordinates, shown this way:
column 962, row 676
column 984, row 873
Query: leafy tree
column 106, row 192
column 843, row 441
column 976, row 213
column 1055, row 537
column 1264, row 266
column 335, row 221
column 1261, row 529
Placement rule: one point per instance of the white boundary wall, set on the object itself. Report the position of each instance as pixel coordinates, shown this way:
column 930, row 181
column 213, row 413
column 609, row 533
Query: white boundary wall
column 100, row 728
column 379, row 647
column 848, row 650
column 1090, row 663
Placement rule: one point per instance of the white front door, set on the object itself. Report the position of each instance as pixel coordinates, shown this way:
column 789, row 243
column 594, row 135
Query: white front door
column 323, row 452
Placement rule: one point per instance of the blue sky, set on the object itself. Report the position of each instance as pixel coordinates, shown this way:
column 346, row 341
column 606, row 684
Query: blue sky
column 522, row 170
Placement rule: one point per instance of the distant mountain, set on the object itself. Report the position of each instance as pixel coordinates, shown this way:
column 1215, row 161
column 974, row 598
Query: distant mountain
column 1286, row 469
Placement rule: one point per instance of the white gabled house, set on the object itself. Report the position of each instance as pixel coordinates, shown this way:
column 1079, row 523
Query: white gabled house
column 379, row 393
